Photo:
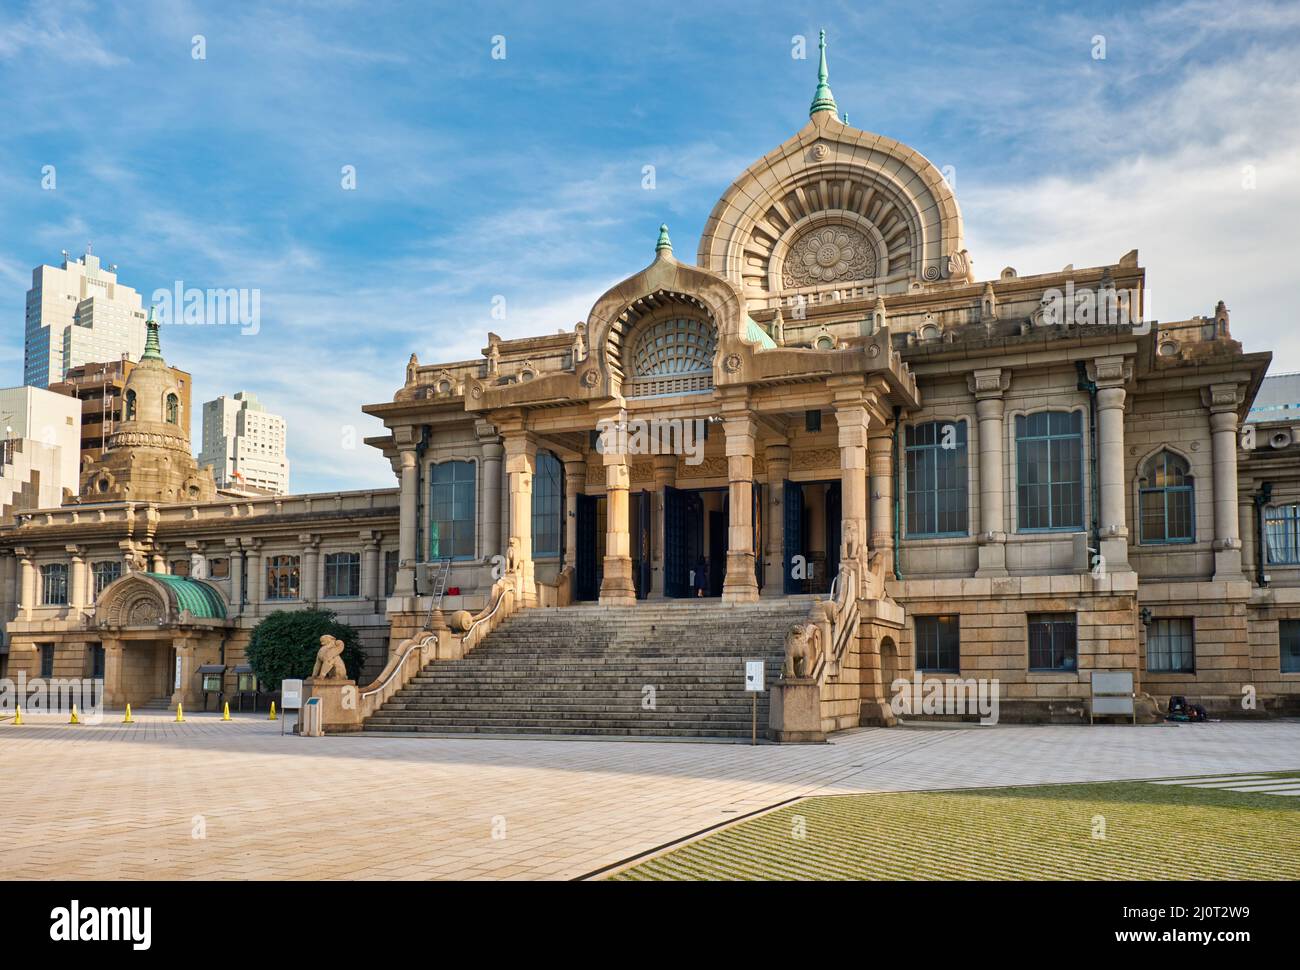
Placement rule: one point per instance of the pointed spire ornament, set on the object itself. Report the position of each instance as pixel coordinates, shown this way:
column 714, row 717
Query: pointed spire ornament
column 823, row 100
column 664, row 244
column 152, row 349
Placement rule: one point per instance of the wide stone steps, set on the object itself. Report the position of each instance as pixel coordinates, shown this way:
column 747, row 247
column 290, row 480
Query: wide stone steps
column 584, row 671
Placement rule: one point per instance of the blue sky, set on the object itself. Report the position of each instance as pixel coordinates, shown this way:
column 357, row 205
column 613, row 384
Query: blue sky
column 522, row 177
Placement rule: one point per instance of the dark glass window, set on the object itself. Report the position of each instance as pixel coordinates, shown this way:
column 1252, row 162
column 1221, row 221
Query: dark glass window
column 1052, row 642
column 47, row 660
column 1282, row 534
column 451, row 510
column 937, row 643
column 1165, row 498
column 54, row 584
column 548, row 505
column 105, row 572
column 343, row 574
column 1289, row 640
column 1171, row 646
column 1049, row 471
column 935, row 455
column 282, row 578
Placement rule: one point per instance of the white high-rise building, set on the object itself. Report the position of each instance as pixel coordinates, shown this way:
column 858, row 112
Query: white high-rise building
column 78, row 314
column 244, row 444
column 40, row 448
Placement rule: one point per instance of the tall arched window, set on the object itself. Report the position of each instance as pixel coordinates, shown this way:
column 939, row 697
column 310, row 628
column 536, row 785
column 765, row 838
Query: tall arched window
column 129, row 414
column 173, row 409
column 548, row 505
column 1165, row 500
column 451, row 510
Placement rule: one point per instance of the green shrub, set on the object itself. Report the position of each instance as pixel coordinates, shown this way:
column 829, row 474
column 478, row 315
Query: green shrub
column 284, row 645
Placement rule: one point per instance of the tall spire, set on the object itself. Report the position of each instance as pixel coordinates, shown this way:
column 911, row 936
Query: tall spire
column 823, row 100
column 664, row 243
column 152, row 350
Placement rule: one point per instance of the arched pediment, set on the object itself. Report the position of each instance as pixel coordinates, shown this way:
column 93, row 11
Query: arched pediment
column 142, row 599
column 835, row 206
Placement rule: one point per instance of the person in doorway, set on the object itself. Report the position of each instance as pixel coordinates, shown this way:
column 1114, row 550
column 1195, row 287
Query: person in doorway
column 702, row 577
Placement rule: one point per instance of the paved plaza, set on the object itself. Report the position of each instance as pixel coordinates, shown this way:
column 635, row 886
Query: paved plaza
column 236, row 800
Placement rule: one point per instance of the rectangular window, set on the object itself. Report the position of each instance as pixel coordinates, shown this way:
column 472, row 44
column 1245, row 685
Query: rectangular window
column 935, row 457
column 937, row 639
column 105, row 572
column 343, row 574
column 54, row 584
column 1288, row 635
column 218, row 568
column 548, row 500
column 1282, row 534
column 47, row 660
column 451, row 510
column 1049, row 471
column 390, row 572
column 1171, row 647
column 282, row 578
column 180, row 567
column 1052, row 642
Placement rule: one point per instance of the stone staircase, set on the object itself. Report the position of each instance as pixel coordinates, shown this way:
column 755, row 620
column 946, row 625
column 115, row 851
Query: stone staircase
column 585, row 670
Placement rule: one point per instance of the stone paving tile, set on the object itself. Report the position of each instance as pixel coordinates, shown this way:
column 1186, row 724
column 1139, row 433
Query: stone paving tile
column 126, row 801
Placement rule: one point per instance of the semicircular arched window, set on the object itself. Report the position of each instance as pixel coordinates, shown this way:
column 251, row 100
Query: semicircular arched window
column 130, row 406
column 1165, row 494
column 173, row 409
column 672, row 356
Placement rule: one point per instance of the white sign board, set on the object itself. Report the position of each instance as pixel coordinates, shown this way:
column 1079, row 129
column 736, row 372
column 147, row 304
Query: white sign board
column 291, row 695
column 177, row 685
column 754, row 679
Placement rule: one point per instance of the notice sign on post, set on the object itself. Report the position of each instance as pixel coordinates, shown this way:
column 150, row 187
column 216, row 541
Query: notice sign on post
column 291, row 694
column 754, row 675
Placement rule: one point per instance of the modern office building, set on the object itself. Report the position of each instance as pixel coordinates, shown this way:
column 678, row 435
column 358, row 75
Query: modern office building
column 40, row 454
column 78, row 313
column 245, row 445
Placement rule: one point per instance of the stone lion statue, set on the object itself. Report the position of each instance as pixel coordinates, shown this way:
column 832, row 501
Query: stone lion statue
column 329, row 659
column 803, row 650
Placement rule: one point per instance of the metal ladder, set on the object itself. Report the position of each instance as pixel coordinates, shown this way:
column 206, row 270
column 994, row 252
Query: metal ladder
column 441, row 574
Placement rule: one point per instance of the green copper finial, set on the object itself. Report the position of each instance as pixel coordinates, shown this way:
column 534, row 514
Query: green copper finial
column 664, row 244
column 152, row 350
column 823, row 100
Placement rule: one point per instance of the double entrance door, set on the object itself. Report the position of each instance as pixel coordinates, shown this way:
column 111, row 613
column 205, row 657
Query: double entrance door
column 811, row 535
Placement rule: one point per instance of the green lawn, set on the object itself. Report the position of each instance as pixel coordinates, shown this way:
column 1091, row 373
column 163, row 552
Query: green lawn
column 1045, row 832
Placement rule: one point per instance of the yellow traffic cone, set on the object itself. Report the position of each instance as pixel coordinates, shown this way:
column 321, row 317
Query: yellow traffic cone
column 18, row 715
column 74, row 719
column 272, row 717
column 180, row 715
column 128, row 719
column 225, row 712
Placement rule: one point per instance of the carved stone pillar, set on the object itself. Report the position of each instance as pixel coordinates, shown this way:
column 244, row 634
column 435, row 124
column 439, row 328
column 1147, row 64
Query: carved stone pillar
column 77, row 599
column 1110, row 375
column 521, row 461
column 26, row 583
column 880, row 454
column 988, row 386
column 114, row 692
column 741, row 582
column 309, row 580
column 665, row 472
column 408, row 510
column 853, row 419
column 236, row 559
column 370, row 588
column 1223, row 401
column 490, row 519
column 778, row 470
column 575, row 483
column 188, row 692
column 256, row 574
column 617, row 587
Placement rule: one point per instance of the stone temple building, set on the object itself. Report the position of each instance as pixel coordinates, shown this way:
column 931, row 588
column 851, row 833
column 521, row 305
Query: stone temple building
column 827, row 443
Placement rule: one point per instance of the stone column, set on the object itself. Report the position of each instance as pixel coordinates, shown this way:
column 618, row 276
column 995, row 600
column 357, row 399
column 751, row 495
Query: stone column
column 1223, row 401
column 575, row 483
column 77, row 578
column 741, row 582
column 370, row 565
column 853, row 419
column 159, row 560
column 617, row 588
column 408, row 512
column 189, row 692
column 778, row 470
column 880, row 455
column 490, row 514
column 988, row 386
column 521, row 462
column 1110, row 374
column 665, row 476
column 26, row 583
column 114, row 692
column 236, row 559
column 309, row 578
column 256, row 574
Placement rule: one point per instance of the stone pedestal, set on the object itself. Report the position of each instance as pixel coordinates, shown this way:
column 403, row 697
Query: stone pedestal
column 340, row 703
column 795, row 712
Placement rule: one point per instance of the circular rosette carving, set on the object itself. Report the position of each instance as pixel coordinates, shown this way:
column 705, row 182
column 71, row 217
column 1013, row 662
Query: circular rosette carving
column 829, row 254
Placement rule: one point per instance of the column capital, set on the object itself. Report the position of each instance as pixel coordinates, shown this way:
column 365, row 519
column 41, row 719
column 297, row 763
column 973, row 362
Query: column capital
column 776, row 451
column 309, row 540
column 1110, row 371
column 74, row 550
column 1221, row 397
column 486, row 431
column 989, row 384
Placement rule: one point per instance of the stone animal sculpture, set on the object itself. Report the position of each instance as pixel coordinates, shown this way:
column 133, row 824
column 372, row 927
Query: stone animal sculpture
column 803, row 650
column 329, row 659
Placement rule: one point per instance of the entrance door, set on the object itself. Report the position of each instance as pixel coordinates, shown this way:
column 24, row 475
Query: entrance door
column 639, row 526
column 792, row 537
column 587, row 555
column 677, row 565
column 834, row 524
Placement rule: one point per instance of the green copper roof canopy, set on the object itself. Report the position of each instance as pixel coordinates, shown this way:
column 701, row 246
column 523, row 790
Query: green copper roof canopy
column 823, row 100
column 152, row 351
column 203, row 602
column 664, row 242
